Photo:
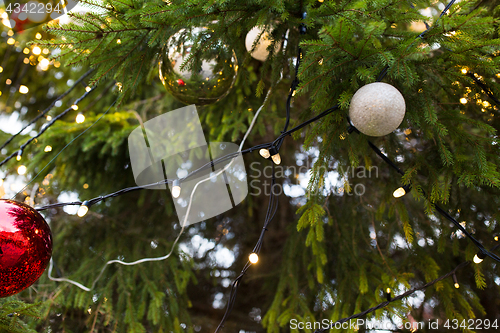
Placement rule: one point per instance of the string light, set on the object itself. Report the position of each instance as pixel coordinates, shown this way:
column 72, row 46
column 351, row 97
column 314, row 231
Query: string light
column 264, row 153
column 74, row 107
column 176, row 188
column 401, row 191
column 388, row 294
column 84, row 208
column 271, row 153
column 36, row 50
column 19, row 155
column 253, row 258
column 456, row 285
column 463, row 100
column 23, row 89
column 21, row 170
column 48, row 149
column 80, row 118
column 87, row 89
column 479, row 257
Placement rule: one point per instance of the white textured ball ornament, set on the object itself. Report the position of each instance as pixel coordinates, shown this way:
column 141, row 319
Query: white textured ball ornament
column 260, row 52
column 377, row 109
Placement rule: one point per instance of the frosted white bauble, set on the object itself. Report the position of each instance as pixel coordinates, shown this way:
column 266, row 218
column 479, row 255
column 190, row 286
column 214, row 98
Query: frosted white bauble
column 377, row 109
column 260, row 52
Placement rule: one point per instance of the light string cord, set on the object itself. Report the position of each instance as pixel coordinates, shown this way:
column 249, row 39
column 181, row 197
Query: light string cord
column 440, row 210
column 44, row 112
column 140, row 261
column 295, row 82
column 43, row 129
column 394, row 299
column 271, row 212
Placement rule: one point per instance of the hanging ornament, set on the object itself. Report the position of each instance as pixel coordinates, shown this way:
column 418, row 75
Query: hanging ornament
column 377, row 109
column 25, row 246
column 197, row 81
column 261, row 51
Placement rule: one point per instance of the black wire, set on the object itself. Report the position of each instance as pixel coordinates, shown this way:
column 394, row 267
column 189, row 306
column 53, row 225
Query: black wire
column 44, row 112
column 440, row 210
column 397, row 298
column 43, row 129
column 272, row 208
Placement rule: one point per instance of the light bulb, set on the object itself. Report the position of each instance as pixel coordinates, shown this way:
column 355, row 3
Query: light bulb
column 23, row 89
column 254, row 258
column 19, row 155
column 388, row 290
column 21, row 170
column 478, row 258
column 176, row 189
column 463, row 100
column 74, row 107
column 47, row 149
column 87, row 89
column 264, row 153
column 495, row 238
column 456, row 285
column 399, row 193
column 82, row 211
column 276, row 159
column 80, row 118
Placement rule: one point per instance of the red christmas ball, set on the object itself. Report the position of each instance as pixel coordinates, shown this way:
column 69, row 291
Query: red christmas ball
column 181, row 82
column 25, row 246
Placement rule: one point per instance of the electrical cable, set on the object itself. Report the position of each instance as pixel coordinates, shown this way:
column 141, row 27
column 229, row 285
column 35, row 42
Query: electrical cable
column 44, row 112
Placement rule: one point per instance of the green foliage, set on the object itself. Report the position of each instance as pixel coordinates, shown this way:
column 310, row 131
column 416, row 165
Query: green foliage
column 342, row 249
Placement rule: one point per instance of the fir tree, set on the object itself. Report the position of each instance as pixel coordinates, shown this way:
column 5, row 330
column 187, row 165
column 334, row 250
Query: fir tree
column 329, row 252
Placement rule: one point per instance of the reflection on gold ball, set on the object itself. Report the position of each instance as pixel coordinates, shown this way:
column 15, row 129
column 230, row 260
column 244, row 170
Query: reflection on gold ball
column 197, row 81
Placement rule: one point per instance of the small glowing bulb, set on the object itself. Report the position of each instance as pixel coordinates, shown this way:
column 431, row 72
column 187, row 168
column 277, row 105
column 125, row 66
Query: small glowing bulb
column 47, row 149
column 26, row 50
column 264, row 153
column 36, row 50
column 11, row 41
column 176, row 189
column 74, row 107
column 456, row 285
column 276, row 159
column 388, row 290
column 118, row 41
column 19, row 155
column 464, row 70
column 87, row 89
column 463, row 100
column 23, row 89
column 21, row 170
column 477, row 259
column 49, row 118
column 495, row 238
column 254, row 258
column 399, row 193
column 80, row 118
column 82, row 211
column 38, row 35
